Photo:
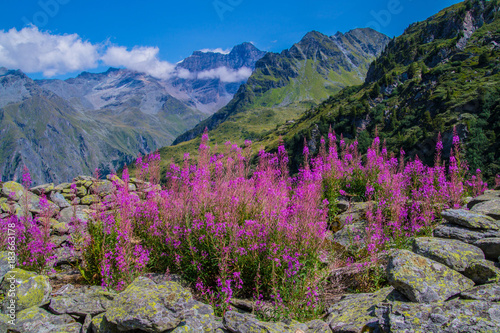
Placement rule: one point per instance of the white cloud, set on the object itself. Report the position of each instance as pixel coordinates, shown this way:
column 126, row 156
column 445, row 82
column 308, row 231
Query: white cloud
column 141, row 59
column 217, row 50
column 34, row 51
column 226, row 75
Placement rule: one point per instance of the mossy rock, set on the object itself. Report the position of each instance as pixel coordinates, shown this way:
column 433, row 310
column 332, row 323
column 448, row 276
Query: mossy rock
column 63, row 186
column 37, row 320
column 486, row 292
column 468, row 219
column 13, row 190
column 31, row 289
column 424, row 280
column 90, row 199
column 356, row 311
column 100, row 324
column 43, row 189
column 245, row 322
column 453, row 253
column 483, row 271
column 82, row 301
column 147, row 306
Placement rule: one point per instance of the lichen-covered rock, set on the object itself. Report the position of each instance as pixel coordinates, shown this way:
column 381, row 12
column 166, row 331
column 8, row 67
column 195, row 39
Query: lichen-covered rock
column 468, row 219
column 487, row 196
column 247, row 323
column 455, row 316
column 100, row 324
column 81, row 191
column 490, row 247
column 63, row 186
column 82, row 301
column 450, row 252
column 353, row 312
column 486, row 292
column 35, row 206
column 490, row 208
column 198, row 317
column 5, row 264
column 31, row 289
column 317, row 326
column 147, row 306
column 424, row 280
column 13, row 190
column 102, row 188
column 59, row 228
column 80, row 212
column 463, row 234
column 483, row 271
column 4, row 205
column 37, row 320
column 43, row 189
column 90, row 199
column 351, row 234
column 59, row 200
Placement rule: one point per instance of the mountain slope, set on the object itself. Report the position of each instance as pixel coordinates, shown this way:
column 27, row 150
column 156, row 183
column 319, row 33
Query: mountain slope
column 442, row 72
column 284, row 85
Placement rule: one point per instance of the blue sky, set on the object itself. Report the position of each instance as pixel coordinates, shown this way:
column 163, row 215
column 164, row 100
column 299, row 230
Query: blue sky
column 171, row 30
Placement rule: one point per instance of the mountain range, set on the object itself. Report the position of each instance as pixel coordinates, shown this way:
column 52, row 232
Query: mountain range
column 104, row 120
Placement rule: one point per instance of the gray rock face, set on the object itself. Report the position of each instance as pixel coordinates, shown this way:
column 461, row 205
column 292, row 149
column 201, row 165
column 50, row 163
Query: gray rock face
column 453, row 253
column 350, row 234
column 490, row 208
column 483, row 271
column 463, row 234
column 245, row 323
column 488, row 292
column 455, row 316
column 82, row 301
column 31, row 289
column 59, row 200
column 490, row 247
column 145, row 305
column 79, row 212
column 468, row 219
column 5, row 266
column 423, row 280
column 37, row 320
column 356, row 311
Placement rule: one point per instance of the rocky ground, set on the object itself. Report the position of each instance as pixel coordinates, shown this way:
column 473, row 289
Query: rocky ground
column 447, row 283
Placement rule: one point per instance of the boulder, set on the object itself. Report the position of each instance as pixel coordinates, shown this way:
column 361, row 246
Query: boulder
column 36, row 207
column 37, row 320
column 82, row 301
column 423, row 280
column 31, row 289
column 483, row 271
column 490, row 247
column 100, row 324
column 350, row 234
column 63, row 186
column 102, row 188
column 12, row 190
column 59, row 200
column 356, row 311
column 59, row 228
column 455, row 316
column 465, row 235
column 486, row 196
column 490, row 208
column 453, row 253
column 4, row 205
column 486, row 292
column 5, row 264
column 81, row 191
column 90, row 199
column 43, row 189
column 471, row 220
column 147, row 306
column 80, row 212
column 244, row 323
column 198, row 317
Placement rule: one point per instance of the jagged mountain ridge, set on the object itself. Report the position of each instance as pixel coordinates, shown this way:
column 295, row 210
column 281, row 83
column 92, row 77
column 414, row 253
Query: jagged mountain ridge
column 309, row 72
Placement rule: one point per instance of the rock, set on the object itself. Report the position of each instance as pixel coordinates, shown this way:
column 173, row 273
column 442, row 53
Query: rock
column 84, row 183
column 350, row 234
column 84, row 178
column 454, row 316
column 43, row 189
column 424, row 280
column 59, row 228
column 490, row 208
column 67, row 214
column 487, row 292
column 471, row 220
column 100, row 324
column 37, row 320
column 67, row 256
column 5, row 264
column 36, row 207
column 483, row 271
column 86, row 324
column 132, row 187
column 116, row 180
column 82, row 301
column 90, row 199
column 355, row 311
column 198, row 317
column 487, row 196
column 31, row 289
column 317, row 326
column 343, row 205
column 63, row 186
column 81, row 191
column 6, row 323
column 102, row 188
column 59, row 240
column 490, row 247
column 13, row 190
column 147, row 306
column 4, row 205
column 453, row 253
column 465, row 235
column 245, row 323
column 59, row 200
